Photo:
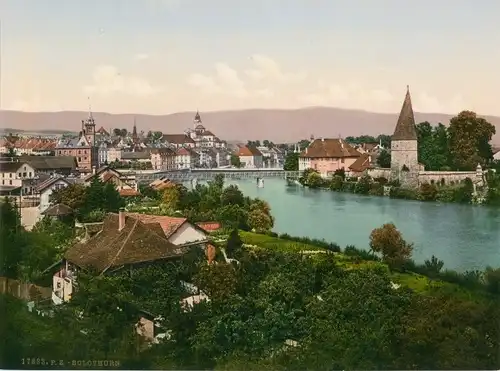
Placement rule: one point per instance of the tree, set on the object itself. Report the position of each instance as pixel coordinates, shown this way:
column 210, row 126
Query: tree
column 73, row 196
column 259, row 221
column 428, row 192
column 389, row 242
column 363, row 185
column 12, row 239
column 234, row 244
column 291, row 162
column 170, row 198
column 384, row 159
column 232, row 196
column 469, row 138
column 432, row 145
column 314, row 180
column 235, row 161
column 117, row 132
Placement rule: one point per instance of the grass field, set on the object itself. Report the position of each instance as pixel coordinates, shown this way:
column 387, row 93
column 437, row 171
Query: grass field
column 416, row 282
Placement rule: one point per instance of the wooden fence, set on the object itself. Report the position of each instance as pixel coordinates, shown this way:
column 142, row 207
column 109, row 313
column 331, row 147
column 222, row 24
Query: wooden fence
column 23, row 290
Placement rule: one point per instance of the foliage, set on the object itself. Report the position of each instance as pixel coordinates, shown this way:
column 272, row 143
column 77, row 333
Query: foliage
column 363, row 185
column 336, row 183
column 291, row 161
column 469, row 137
column 170, row 198
column 85, row 200
column 428, row 192
column 235, row 161
column 234, row 244
column 384, row 159
column 389, row 242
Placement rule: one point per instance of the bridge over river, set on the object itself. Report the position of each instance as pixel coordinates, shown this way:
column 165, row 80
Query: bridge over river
column 208, row 174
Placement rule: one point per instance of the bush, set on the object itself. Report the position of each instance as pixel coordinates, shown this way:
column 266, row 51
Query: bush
column 381, row 180
column 351, row 250
column 427, row 192
column 336, row 183
column 492, row 280
column 403, row 193
column 376, row 189
column 363, row 185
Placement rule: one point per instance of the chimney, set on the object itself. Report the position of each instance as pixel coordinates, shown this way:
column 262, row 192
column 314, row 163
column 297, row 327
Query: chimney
column 121, row 219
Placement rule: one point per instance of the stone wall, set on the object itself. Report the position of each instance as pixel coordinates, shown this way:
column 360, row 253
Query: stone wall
column 450, row 177
column 379, row 172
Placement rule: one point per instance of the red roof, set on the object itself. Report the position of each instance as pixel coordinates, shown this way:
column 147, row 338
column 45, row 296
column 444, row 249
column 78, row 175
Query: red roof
column 209, row 226
column 128, row 192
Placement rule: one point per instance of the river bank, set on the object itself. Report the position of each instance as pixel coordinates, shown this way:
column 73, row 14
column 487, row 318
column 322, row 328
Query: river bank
column 464, row 237
column 462, row 193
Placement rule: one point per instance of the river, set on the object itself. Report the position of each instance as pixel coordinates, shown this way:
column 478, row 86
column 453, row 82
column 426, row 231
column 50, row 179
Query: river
column 465, row 237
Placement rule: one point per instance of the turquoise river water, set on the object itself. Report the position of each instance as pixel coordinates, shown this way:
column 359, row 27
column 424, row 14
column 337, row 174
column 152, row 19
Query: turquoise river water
column 465, row 237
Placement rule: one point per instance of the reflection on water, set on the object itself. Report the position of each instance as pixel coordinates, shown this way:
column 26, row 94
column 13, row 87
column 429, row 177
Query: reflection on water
column 465, row 237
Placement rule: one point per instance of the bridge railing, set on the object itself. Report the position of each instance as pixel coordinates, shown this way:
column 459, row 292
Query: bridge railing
column 207, row 175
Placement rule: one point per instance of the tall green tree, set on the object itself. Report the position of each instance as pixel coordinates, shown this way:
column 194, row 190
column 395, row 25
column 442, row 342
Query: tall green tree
column 291, row 161
column 384, row 159
column 469, row 140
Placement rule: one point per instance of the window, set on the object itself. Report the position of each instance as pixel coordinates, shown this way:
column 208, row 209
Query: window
column 30, row 174
column 79, row 151
column 19, row 175
column 10, row 182
column 342, row 160
column 10, row 175
column 24, row 173
column 25, row 168
column 79, row 159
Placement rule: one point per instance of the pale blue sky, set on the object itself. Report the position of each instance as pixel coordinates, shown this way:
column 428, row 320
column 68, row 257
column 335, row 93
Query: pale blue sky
column 160, row 56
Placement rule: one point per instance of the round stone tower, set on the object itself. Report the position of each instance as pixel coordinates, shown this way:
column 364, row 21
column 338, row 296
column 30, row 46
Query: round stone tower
column 404, row 145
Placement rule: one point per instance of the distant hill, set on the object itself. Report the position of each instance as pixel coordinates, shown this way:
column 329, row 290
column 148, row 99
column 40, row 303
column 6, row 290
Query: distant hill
column 273, row 124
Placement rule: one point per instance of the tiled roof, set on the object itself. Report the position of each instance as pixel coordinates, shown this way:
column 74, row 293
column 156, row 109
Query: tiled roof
column 112, row 248
column 128, row 192
column 177, row 138
column 248, row 151
column 10, row 167
column 361, row 164
column 142, row 155
column 329, row 148
column 58, row 210
column 102, row 131
column 209, row 226
column 169, row 224
column 50, row 162
column 405, row 127
column 207, row 133
column 48, row 182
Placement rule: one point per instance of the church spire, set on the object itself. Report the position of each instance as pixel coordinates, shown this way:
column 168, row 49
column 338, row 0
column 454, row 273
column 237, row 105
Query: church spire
column 91, row 117
column 197, row 117
column 405, row 128
column 134, row 130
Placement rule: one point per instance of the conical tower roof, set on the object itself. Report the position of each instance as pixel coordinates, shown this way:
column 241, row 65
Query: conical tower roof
column 405, row 128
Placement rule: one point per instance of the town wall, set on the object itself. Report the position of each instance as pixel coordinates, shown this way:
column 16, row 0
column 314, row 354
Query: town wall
column 449, row 176
column 379, row 172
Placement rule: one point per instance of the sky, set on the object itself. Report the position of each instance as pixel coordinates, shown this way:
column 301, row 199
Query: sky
column 165, row 56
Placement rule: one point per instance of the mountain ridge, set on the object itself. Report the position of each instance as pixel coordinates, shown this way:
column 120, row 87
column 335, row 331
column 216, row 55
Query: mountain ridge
column 247, row 124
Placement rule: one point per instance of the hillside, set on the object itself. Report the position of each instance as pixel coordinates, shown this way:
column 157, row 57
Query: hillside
column 273, row 124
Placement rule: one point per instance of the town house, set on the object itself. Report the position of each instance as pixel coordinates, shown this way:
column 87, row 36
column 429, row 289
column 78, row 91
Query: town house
column 47, row 187
column 17, row 177
column 328, row 155
column 250, row 157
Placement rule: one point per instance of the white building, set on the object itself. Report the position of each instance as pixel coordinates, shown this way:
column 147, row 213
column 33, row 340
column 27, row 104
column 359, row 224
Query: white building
column 47, row 187
column 15, row 175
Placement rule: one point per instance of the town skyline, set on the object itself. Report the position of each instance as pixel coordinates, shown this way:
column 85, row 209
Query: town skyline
column 160, row 57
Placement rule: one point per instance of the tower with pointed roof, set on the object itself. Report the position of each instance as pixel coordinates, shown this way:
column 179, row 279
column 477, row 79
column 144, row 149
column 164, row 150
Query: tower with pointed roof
column 135, row 137
column 404, row 143
column 89, row 128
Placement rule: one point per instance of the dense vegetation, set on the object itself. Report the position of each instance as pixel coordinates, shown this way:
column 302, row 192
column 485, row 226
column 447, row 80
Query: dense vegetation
column 287, row 303
column 273, row 310
column 365, row 185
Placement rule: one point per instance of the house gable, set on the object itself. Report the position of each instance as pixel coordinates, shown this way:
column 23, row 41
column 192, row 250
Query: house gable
column 187, row 233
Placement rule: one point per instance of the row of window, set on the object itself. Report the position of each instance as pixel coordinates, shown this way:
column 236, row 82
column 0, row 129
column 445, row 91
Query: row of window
column 20, row 174
column 69, row 152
